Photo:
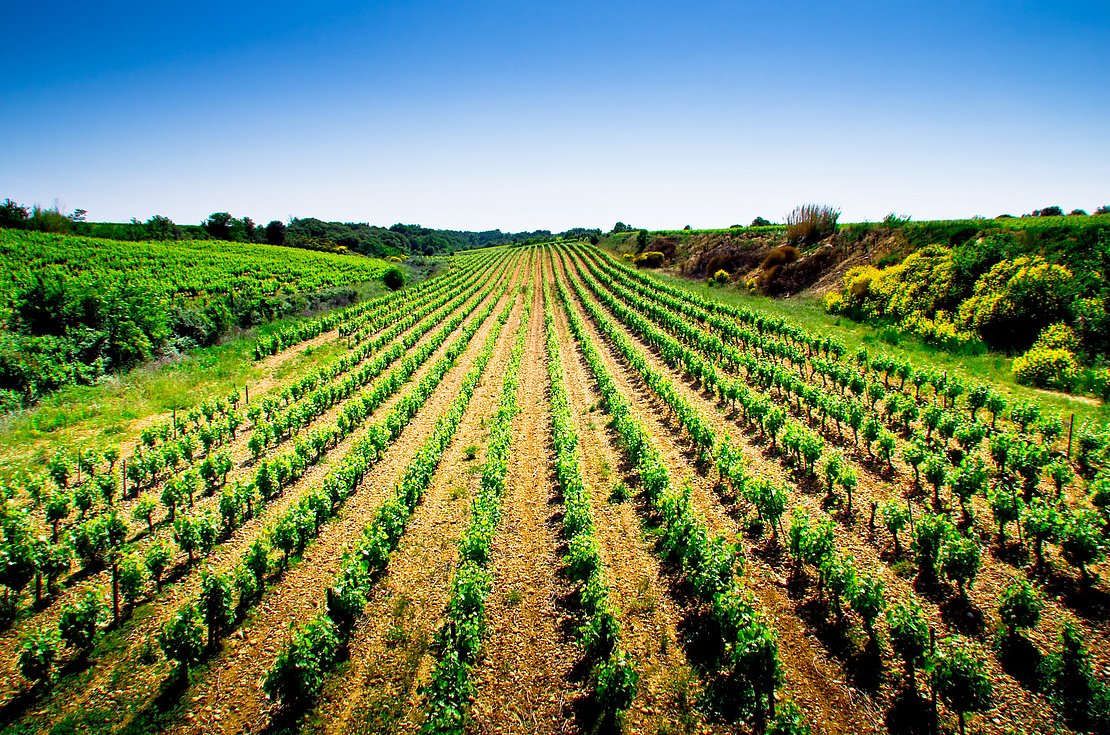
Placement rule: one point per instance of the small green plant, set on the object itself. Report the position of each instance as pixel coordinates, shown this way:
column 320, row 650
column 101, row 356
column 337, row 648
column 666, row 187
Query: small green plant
column 37, row 655
column 182, row 639
column 470, row 452
column 960, row 679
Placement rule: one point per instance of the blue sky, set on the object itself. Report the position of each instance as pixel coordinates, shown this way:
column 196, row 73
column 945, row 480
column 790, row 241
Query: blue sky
column 476, row 115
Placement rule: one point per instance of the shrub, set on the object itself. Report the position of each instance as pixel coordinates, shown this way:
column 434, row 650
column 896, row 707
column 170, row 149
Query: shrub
column 780, row 256
column 1059, row 336
column 1016, row 299
column 649, row 259
column 393, row 278
column 616, row 684
column 182, row 640
column 1047, row 367
column 215, row 600
column 77, row 624
column 909, row 635
column 960, row 679
column 809, row 223
column 132, row 578
column 1019, row 607
column 720, row 278
column 37, row 655
column 1073, row 685
column 299, row 671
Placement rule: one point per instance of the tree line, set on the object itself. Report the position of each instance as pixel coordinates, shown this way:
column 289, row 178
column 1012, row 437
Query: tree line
column 302, row 232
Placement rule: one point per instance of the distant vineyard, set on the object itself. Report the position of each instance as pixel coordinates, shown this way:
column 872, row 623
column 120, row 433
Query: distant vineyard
column 74, row 308
column 547, row 492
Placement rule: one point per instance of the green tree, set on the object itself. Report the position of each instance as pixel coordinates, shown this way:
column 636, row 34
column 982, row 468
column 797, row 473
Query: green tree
column 218, row 225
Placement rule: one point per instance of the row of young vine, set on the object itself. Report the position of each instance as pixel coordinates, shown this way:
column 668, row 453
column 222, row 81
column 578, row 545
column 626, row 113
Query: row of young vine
column 458, row 642
column 199, row 533
column 299, row 672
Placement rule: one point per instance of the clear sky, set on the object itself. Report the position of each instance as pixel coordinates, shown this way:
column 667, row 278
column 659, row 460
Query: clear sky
column 519, row 115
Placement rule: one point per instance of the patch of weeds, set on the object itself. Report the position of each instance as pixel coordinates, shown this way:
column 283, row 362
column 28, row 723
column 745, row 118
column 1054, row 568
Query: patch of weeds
column 396, row 636
column 904, row 568
column 513, row 597
column 457, row 491
column 644, row 601
column 604, row 469
column 470, row 452
column 620, row 493
column 148, row 652
column 890, row 335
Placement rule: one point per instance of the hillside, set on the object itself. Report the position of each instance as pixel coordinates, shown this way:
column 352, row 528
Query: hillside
column 1033, row 288
column 74, row 309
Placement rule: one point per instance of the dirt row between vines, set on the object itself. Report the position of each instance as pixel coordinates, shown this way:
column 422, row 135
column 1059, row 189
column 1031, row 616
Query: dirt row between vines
column 523, row 684
column 78, row 581
column 813, row 680
column 229, row 698
column 376, row 689
column 243, row 467
column 120, row 680
column 668, row 688
column 1018, row 707
column 947, row 614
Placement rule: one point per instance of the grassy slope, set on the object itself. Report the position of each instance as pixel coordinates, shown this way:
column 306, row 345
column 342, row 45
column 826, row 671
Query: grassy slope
column 110, row 412
column 991, row 367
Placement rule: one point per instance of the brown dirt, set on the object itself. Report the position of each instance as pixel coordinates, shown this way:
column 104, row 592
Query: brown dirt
column 229, row 698
column 1020, row 707
column 813, row 679
column 1062, row 601
column 243, row 469
column 376, row 691
column 668, row 688
column 523, row 684
column 143, row 680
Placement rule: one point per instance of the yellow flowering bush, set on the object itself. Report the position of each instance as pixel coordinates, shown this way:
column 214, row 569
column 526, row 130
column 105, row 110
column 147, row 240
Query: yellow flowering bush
column 1016, row 299
column 1047, row 367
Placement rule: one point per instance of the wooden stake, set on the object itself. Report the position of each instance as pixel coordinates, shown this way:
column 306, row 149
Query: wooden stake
column 1071, row 428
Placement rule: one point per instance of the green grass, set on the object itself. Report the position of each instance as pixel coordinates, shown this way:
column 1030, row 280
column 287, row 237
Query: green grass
column 108, row 413
column 808, row 313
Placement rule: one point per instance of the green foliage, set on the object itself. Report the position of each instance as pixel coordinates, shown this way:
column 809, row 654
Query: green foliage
column 1019, row 607
column 37, row 654
column 1073, row 686
column 182, row 638
column 960, row 679
column 79, row 308
column 909, row 635
column 394, row 279
column 650, row 259
column 959, row 561
column 1047, row 367
column 215, row 602
column 1016, row 300
column 299, row 671
column 77, row 624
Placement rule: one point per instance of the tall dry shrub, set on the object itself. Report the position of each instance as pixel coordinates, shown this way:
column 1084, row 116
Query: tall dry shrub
column 810, row 223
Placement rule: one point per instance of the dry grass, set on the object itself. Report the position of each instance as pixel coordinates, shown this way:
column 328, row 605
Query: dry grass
column 810, row 223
